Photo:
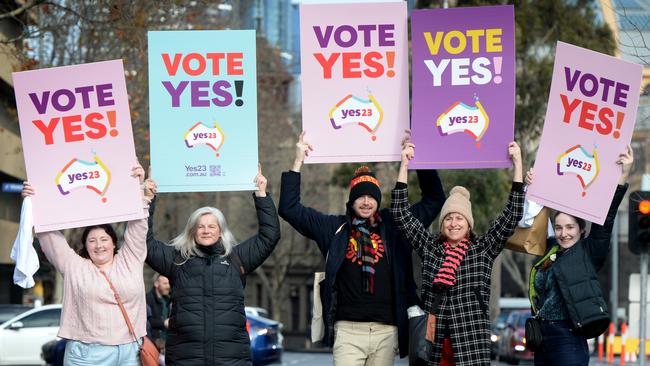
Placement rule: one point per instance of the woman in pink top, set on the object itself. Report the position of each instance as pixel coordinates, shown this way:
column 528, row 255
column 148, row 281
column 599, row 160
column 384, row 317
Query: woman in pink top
column 91, row 319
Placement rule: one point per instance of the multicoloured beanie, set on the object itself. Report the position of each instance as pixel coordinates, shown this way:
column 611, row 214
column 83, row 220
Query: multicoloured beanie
column 364, row 182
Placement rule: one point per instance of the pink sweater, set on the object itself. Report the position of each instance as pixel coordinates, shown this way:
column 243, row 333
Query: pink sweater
column 90, row 312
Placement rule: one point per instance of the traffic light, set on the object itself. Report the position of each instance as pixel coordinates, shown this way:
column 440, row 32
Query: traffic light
column 639, row 230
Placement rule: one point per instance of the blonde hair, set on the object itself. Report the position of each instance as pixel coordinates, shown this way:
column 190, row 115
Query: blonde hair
column 185, row 242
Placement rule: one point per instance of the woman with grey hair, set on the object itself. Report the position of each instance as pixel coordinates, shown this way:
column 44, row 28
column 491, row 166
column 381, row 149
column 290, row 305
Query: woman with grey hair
column 206, row 268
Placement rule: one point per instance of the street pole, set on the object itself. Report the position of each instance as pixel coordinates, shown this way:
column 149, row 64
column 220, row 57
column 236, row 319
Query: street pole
column 645, row 186
column 644, row 284
column 614, row 291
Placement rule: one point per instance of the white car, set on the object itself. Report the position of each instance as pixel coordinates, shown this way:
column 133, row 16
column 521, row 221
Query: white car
column 22, row 336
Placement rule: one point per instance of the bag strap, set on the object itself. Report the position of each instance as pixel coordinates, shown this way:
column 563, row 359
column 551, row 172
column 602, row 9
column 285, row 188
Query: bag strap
column 121, row 305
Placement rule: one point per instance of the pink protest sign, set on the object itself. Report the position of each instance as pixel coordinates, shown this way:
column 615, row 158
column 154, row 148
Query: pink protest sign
column 589, row 121
column 354, row 80
column 76, row 132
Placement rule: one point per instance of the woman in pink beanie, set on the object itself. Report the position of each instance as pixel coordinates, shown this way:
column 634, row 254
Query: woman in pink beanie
column 457, row 266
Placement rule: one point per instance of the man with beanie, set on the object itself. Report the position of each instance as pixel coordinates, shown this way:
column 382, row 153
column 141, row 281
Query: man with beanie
column 368, row 282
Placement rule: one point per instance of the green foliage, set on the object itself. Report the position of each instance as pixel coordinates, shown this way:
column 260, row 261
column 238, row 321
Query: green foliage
column 488, row 192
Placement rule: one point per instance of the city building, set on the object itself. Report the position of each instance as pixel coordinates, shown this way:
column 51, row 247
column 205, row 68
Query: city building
column 12, row 167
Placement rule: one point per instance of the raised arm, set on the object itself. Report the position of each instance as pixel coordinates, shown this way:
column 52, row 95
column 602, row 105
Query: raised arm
column 306, row 220
column 58, row 251
column 433, row 196
column 415, row 232
column 302, row 150
column 160, row 256
column 136, row 230
column 599, row 237
column 254, row 251
column 504, row 225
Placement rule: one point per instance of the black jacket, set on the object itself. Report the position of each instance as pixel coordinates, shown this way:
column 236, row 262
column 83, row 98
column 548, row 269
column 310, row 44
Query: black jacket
column 576, row 274
column 331, row 233
column 155, row 318
column 207, row 324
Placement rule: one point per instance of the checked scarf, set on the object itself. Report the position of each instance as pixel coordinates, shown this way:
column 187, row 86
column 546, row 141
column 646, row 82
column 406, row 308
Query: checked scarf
column 362, row 232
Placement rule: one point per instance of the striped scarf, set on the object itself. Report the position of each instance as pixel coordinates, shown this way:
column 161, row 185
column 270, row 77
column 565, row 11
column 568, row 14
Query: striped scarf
column 361, row 232
column 446, row 276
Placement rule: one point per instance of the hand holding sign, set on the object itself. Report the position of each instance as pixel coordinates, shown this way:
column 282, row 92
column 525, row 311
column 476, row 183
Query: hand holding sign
column 302, row 150
column 28, row 190
column 625, row 159
column 260, row 182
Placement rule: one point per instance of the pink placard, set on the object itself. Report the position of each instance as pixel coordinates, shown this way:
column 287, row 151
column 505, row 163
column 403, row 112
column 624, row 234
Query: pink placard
column 589, row 121
column 354, row 80
column 78, row 145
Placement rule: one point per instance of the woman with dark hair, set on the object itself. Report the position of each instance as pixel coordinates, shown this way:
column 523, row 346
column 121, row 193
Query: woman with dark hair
column 87, row 238
column 457, row 266
column 91, row 319
column 564, row 291
column 206, row 268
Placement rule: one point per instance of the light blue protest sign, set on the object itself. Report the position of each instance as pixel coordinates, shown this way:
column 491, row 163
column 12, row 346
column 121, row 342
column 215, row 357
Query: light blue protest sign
column 203, row 110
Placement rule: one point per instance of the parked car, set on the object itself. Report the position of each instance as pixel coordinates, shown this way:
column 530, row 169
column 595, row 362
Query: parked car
column 22, row 336
column 8, row 311
column 266, row 339
column 512, row 341
column 495, row 332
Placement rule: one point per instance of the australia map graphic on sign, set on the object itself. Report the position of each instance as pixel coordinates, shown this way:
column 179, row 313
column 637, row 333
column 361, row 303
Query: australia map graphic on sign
column 460, row 117
column 583, row 164
column 352, row 110
column 93, row 175
column 200, row 134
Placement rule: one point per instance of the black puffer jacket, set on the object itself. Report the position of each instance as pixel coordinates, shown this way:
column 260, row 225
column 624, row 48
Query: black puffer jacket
column 207, row 323
column 576, row 274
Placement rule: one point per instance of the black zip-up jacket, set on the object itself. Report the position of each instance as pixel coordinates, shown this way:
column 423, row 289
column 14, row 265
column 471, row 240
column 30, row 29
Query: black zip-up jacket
column 331, row 233
column 576, row 273
column 207, row 323
column 156, row 320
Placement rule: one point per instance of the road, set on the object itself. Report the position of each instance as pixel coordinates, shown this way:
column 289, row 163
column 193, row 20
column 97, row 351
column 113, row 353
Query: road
column 316, row 359
column 325, row 359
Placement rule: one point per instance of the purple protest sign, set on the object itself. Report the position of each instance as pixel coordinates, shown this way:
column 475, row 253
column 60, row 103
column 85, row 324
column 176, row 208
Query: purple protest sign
column 463, row 87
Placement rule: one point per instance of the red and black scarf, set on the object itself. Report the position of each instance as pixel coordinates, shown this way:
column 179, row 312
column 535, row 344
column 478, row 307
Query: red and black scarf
column 454, row 255
column 362, row 232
